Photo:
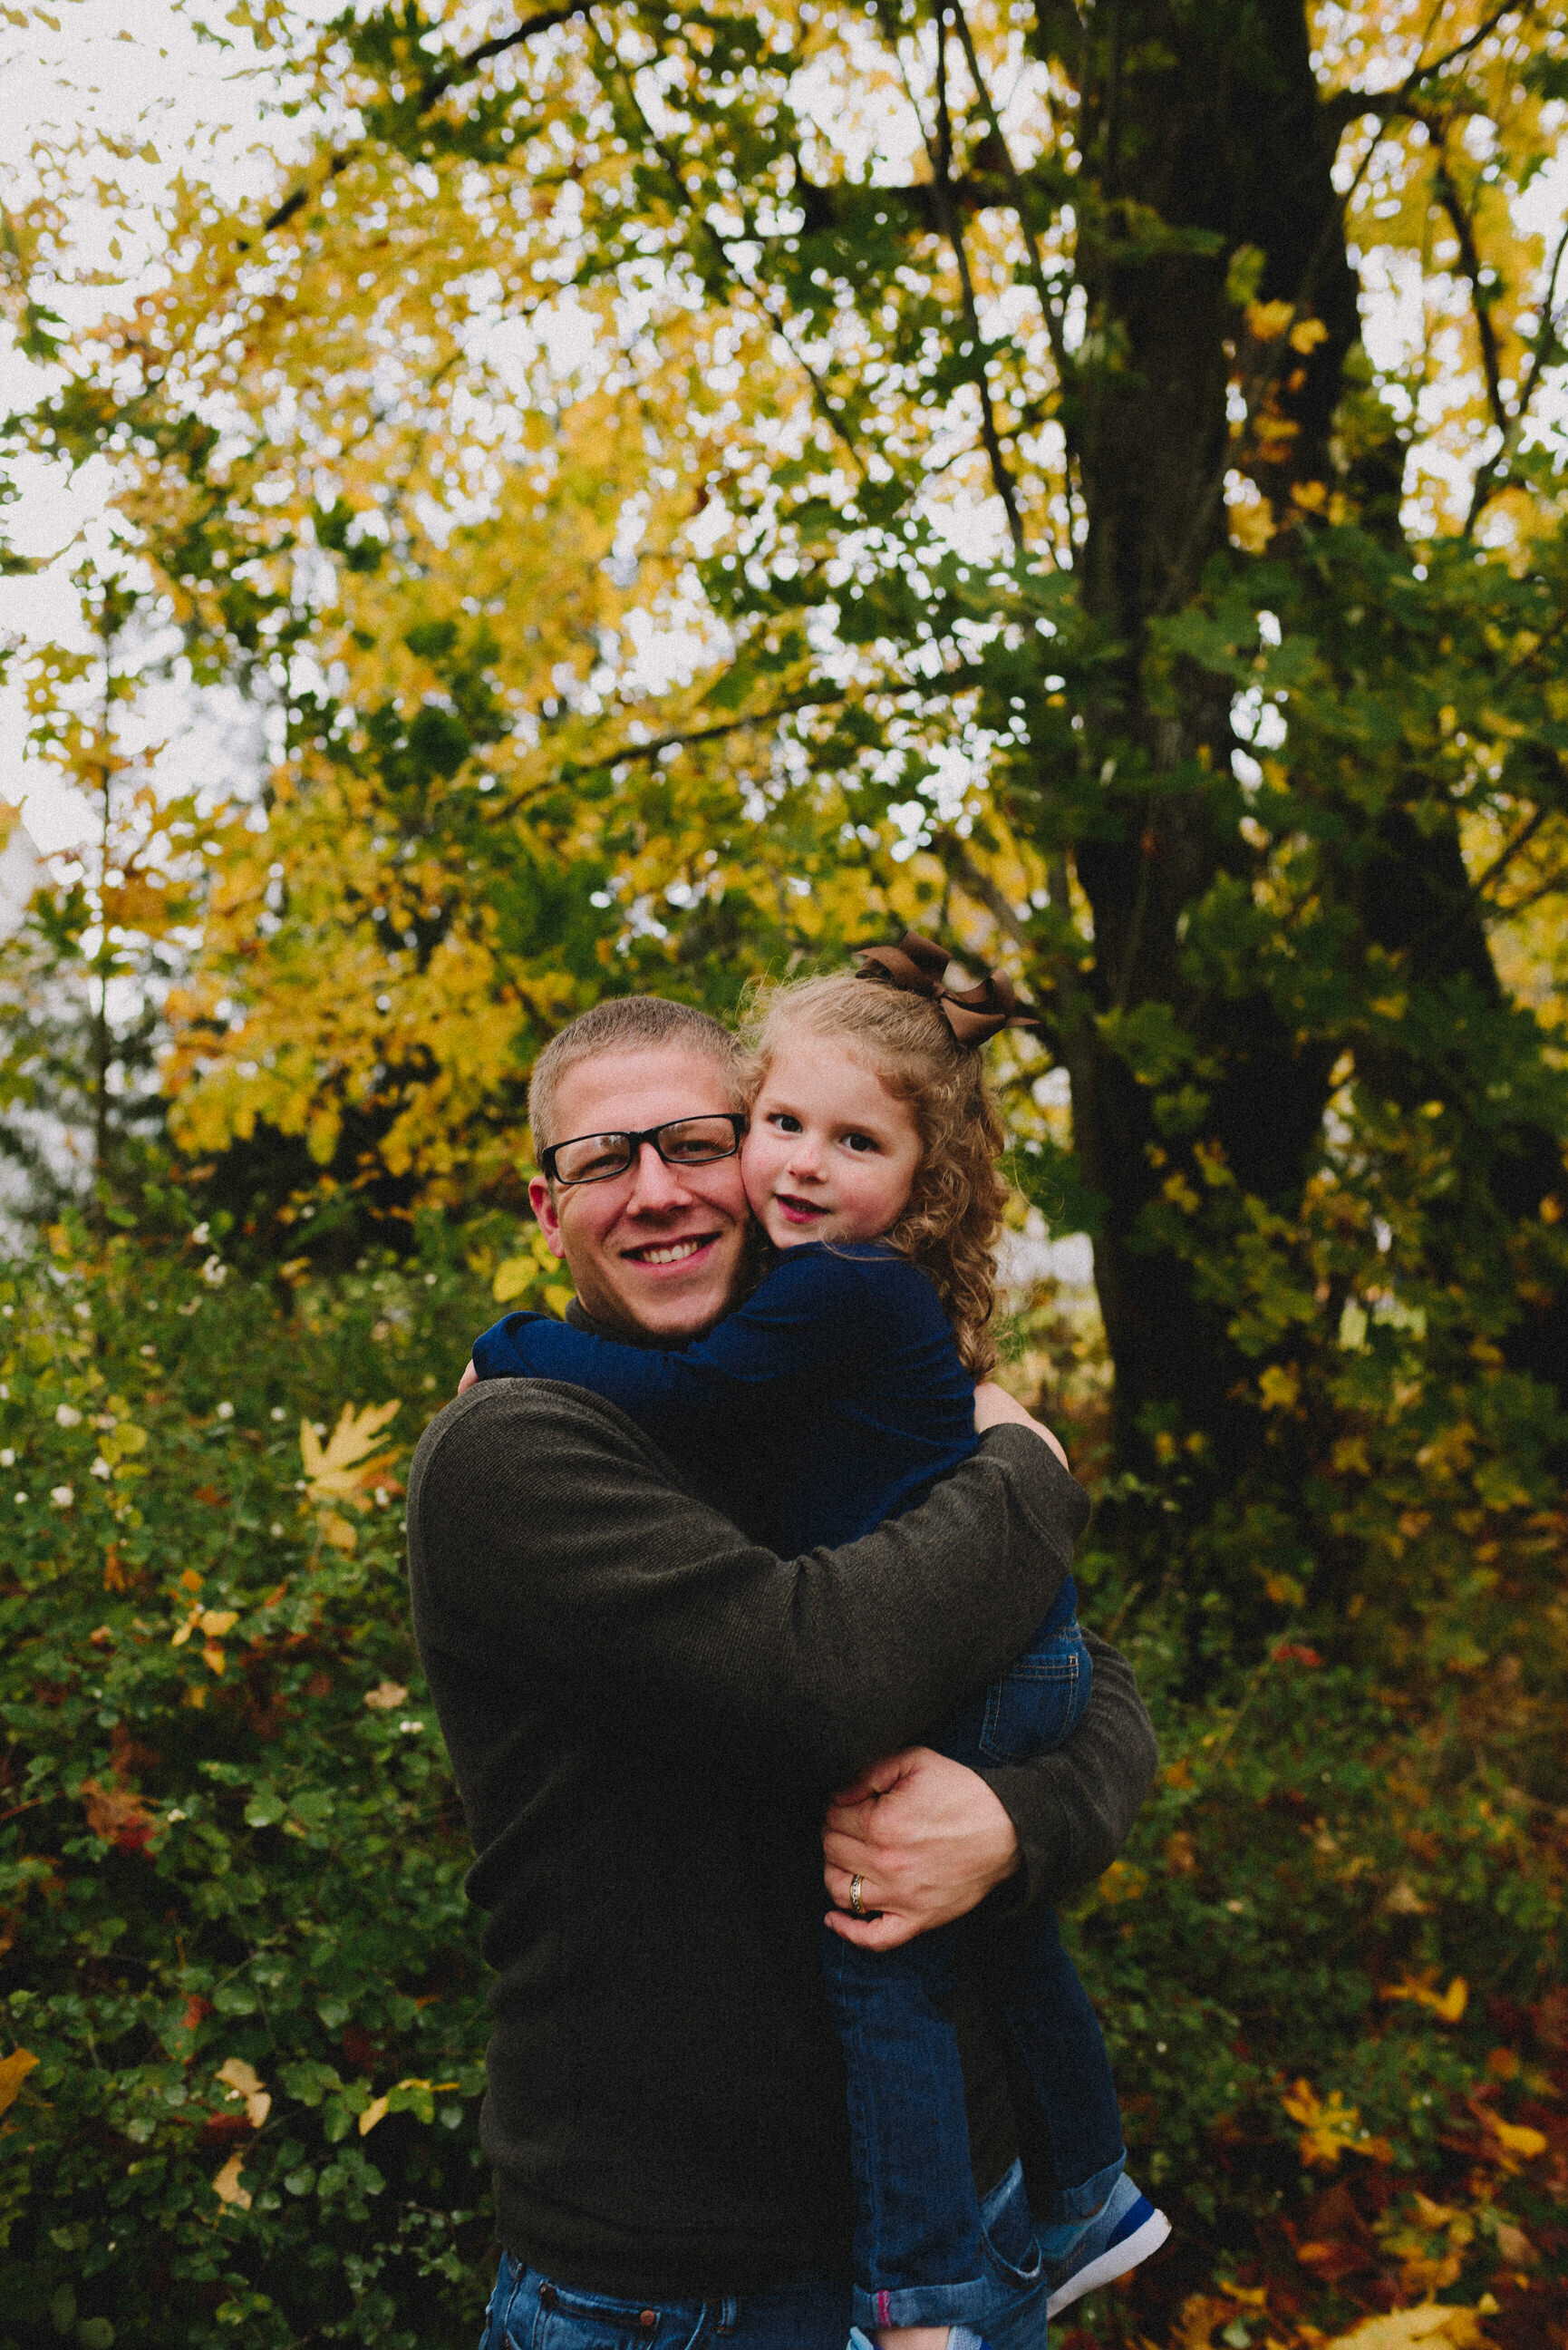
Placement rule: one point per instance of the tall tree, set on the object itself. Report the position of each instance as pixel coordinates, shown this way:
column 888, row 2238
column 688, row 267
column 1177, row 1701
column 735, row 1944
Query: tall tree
column 1043, row 512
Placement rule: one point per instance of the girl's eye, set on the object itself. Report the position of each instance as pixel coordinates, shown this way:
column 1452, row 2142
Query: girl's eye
column 784, row 1120
column 860, row 1142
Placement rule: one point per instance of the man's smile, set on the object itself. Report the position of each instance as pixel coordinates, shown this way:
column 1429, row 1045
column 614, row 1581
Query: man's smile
column 669, row 1251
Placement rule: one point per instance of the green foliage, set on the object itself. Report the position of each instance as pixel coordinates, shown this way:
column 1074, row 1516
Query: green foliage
column 230, row 1851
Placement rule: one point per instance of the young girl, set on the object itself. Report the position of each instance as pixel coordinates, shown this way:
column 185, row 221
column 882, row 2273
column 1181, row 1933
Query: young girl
column 831, row 1400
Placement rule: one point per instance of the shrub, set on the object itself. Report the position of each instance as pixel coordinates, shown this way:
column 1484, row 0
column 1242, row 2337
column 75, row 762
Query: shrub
column 243, row 2000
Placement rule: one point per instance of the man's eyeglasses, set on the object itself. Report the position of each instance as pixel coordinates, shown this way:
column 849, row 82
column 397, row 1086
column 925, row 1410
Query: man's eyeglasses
column 680, row 1142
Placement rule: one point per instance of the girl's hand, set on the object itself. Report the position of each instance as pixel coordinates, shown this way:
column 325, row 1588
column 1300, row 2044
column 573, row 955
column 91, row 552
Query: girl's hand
column 994, row 1408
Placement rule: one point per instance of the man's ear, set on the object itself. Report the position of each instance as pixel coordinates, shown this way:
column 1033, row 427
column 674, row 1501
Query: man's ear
column 542, row 1201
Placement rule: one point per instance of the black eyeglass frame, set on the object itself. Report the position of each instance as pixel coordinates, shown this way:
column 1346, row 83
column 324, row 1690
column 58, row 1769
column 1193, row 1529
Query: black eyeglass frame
column 734, row 1119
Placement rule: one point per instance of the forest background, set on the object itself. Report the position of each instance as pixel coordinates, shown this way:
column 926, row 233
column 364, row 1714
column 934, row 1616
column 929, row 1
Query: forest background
column 636, row 496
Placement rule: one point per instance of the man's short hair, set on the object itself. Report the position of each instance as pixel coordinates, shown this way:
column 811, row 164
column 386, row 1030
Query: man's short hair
column 626, row 1024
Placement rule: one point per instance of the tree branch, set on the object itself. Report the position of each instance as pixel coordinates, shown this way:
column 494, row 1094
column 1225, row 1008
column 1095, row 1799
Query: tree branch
column 638, row 754
column 433, row 88
column 1505, row 857
column 721, row 246
column 1480, row 304
column 1049, row 313
column 439, row 83
column 1349, row 103
column 941, row 165
column 1491, row 476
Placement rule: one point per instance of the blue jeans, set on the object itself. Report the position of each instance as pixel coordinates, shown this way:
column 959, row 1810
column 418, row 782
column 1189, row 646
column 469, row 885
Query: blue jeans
column 531, row 2311
column 919, row 2248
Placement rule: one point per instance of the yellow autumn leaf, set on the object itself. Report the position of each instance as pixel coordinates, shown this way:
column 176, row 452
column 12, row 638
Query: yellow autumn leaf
column 1251, row 522
column 1330, row 2127
column 1518, row 2137
column 338, row 1532
column 1279, row 1386
column 226, row 2184
column 1447, row 2006
column 14, row 2071
column 242, row 2082
column 515, row 1275
column 346, row 1465
column 378, row 2107
column 1434, row 2324
column 1267, row 321
column 216, row 1621
column 1306, row 335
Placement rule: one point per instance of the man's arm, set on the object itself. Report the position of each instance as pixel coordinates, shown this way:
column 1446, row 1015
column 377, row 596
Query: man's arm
column 539, row 1515
column 1074, row 1810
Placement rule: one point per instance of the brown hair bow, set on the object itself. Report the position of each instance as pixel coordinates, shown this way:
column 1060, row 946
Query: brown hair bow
column 973, row 1013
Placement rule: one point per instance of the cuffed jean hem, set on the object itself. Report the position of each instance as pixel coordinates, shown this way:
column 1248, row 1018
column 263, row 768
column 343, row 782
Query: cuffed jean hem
column 923, row 2304
column 1069, row 2207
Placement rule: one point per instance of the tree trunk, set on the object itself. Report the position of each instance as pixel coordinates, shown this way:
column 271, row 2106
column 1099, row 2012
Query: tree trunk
column 1210, row 120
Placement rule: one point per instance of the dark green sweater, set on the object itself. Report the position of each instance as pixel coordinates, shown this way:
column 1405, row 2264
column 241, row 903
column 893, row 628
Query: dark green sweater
column 644, row 1712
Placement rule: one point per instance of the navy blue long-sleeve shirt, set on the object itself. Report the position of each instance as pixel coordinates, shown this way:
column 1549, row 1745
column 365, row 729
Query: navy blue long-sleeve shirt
column 833, row 1399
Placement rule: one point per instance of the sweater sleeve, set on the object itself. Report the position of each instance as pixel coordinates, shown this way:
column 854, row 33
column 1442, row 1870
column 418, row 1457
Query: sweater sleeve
column 539, row 1517
column 1073, row 1809
column 812, row 1315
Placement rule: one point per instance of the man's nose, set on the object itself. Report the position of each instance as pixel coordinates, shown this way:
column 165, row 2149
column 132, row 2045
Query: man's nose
column 654, row 1185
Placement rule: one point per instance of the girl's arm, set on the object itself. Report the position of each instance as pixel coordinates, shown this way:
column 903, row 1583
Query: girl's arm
column 994, row 1408
column 814, row 1315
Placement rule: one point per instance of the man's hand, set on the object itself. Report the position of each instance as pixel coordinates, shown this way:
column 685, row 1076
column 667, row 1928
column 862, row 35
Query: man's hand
column 469, row 1379
column 994, row 1408
column 928, row 1840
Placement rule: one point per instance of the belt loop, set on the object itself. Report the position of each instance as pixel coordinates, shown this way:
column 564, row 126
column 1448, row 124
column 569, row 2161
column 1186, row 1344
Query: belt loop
column 729, row 2315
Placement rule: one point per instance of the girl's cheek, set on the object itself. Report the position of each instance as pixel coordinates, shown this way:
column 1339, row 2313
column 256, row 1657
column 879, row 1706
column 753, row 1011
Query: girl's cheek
column 753, row 1172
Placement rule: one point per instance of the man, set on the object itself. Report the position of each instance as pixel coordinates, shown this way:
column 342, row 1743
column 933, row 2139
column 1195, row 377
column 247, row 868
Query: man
column 644, row 1712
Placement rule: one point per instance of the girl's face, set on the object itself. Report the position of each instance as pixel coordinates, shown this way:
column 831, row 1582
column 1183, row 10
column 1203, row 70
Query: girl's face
column 831, row 1155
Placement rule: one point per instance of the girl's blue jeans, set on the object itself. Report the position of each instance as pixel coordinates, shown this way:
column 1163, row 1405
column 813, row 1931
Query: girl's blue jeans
column 919, row 2243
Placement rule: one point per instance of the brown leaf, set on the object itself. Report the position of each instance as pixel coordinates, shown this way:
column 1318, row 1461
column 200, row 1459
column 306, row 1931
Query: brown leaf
column 14, row 2071
column 1180, row 1854
column 118, row 1818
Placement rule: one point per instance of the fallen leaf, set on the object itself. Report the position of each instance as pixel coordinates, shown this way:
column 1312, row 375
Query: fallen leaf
column 373, row 2112
column 1405, row 1901
column 14, row 2071
column 1330, row 2127
column 1434, row 2324
column 1517, row 2138
column 1447, row 2006
column 386, row 1697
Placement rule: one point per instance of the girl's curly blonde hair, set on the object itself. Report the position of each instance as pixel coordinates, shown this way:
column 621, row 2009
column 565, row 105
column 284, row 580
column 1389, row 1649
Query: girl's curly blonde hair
column 949, row 1226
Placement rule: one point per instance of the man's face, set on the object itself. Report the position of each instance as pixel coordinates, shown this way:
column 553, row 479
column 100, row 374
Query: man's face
column 657, row 1250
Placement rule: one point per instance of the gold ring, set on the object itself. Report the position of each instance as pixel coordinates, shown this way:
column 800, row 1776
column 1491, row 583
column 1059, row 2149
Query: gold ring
column 857, row 1906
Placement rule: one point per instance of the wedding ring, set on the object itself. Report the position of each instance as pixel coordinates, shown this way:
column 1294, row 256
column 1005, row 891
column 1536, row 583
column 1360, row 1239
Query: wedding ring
column 857, row 1908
